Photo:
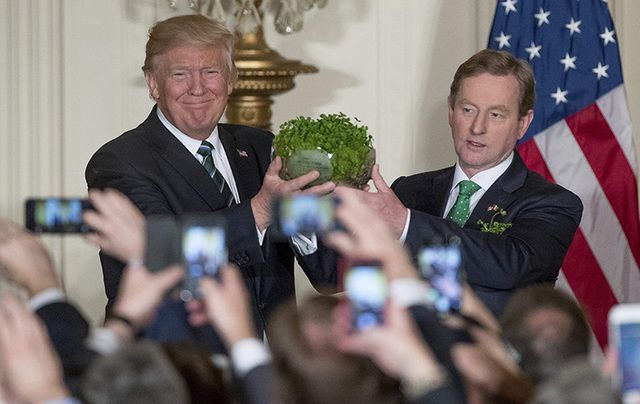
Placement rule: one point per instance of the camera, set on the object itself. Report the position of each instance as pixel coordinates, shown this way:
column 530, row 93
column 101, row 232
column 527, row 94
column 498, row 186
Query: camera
column 366, row 287
column 304, row 214
column 440, row 265
column 56, row 215
column 204, row 251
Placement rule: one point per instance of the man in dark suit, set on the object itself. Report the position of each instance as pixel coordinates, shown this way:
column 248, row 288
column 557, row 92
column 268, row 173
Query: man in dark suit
column 514, row 227
column 180, row 160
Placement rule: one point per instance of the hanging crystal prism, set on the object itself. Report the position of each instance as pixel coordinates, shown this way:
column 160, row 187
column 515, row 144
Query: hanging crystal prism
column 247, row 17
column 288, row 19
column 216, row 11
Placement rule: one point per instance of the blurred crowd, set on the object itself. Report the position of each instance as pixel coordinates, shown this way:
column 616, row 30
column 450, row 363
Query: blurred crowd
column 536, row 352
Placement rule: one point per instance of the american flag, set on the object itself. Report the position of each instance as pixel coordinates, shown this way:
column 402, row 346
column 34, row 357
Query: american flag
column 581, row 139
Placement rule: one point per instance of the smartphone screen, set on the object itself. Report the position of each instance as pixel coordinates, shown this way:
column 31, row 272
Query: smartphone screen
column 624, row 323
column 56, row 215
column 440, row 265
column 304, row 214
column 366, row 287
column 204, row 252
column 629, row 356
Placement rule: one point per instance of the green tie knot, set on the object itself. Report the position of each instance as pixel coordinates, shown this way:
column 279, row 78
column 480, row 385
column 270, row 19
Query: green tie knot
column 460, row 212
column 468, row 187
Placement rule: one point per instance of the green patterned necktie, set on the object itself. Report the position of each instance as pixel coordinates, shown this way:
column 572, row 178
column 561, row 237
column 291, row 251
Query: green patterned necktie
column 459, row 213
column 207, row 161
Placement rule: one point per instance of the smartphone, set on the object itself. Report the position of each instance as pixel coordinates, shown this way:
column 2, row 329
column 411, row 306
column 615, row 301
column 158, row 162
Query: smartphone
column 440, row 265
column 624, row 337
column 204, row 251
column 366, row 287
column 304, row 214
column 56, row 215
column 163, row 245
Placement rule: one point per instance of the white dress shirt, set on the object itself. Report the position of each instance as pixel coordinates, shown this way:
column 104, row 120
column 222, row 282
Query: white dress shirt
column 484, row 178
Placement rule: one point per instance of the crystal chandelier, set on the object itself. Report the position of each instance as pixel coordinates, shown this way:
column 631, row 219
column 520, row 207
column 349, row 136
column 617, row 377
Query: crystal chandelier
column 289, row 16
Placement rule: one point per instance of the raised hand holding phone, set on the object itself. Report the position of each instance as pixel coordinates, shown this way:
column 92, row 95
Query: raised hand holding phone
column 366, row 287
column 440, row 265
column 304, row 214
column 204, row 251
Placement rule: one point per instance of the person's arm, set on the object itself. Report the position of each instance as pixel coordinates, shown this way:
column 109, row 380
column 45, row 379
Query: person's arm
column 273, row 187
column 227, row 306
column 146, row 190
column 227, row 309
column 29, row 366
column 368, row 236
column 491, row 377
column 398, row 349
column 530, row 251
column 24, row 260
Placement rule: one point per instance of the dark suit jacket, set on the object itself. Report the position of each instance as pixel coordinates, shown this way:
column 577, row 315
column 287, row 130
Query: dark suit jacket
column 544, row 218
column 67, row 330
column 160, row 176
column 258, row 386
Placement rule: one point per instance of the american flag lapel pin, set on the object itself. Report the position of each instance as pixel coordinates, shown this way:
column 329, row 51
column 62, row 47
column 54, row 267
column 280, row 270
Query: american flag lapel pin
column 242, row 153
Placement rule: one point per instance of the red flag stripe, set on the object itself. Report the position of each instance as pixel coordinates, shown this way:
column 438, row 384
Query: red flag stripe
column 609, row 164
column 600, row 225
column 589, row 285
column 580, row 267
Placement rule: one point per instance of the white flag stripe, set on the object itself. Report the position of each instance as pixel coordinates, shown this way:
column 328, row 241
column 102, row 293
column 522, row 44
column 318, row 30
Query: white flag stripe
column 599, row 223
column 613, row 106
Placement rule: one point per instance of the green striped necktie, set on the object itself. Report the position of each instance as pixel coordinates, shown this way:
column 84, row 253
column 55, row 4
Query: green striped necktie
column 205, row 150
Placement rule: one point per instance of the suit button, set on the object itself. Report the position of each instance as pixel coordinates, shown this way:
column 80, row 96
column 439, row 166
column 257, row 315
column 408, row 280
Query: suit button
column 261, row 305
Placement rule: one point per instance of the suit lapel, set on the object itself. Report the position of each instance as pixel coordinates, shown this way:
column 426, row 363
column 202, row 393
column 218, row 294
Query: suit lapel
column 441, row 187
column 242, row 160
column 501, row 193
column 176, row 155
column 431, row 196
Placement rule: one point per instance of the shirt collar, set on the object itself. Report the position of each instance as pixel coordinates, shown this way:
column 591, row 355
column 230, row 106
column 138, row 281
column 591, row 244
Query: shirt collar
column 484, row 178
column 190, row 143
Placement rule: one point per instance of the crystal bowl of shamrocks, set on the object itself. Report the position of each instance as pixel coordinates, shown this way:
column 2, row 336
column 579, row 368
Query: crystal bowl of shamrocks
column 339, row 148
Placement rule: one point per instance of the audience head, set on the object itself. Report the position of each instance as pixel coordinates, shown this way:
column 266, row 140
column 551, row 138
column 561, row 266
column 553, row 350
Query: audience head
column 137, row 373
column 546, row 327
column 498, row 63
column 309, row 366
column 204, row 381
column 576, row 381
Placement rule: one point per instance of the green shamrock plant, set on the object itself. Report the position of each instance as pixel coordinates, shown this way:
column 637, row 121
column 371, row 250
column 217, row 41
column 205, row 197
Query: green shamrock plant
column 494, row 226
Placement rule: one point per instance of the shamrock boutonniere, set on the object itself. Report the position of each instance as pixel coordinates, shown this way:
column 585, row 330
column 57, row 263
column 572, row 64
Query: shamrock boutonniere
column 493, row 226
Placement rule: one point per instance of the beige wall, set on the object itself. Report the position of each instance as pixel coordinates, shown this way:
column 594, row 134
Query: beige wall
column 70, row 78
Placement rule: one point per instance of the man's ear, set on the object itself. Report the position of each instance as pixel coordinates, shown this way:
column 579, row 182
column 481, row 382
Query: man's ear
column 229, row 87
column 152, row 85
column 524, row 122
column 450, row 108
